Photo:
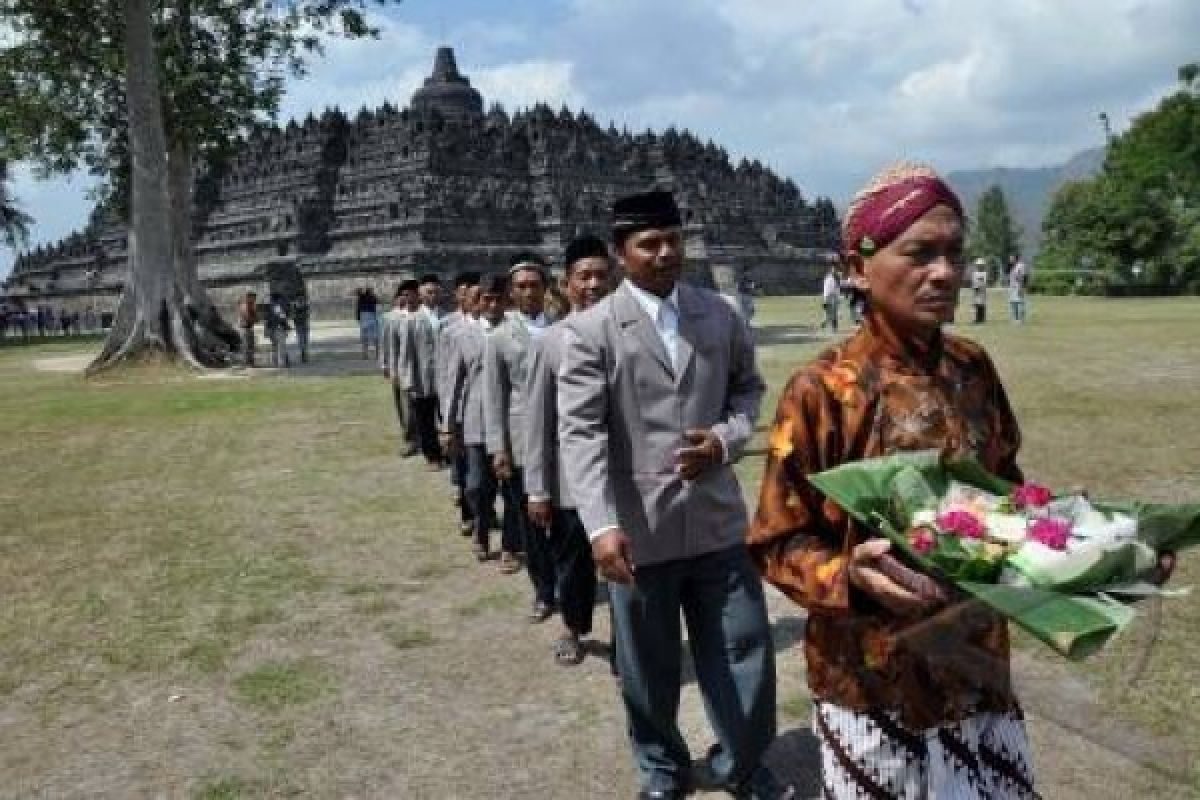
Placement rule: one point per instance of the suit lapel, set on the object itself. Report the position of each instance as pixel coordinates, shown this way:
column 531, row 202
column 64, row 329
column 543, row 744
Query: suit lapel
column 634, row 321
column 691, row 322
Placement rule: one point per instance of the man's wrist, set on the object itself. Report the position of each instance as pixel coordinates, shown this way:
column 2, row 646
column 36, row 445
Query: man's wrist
column 603, row 531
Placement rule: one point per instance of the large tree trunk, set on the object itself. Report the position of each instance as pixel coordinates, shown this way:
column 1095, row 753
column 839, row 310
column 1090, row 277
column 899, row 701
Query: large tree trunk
column 164, row 312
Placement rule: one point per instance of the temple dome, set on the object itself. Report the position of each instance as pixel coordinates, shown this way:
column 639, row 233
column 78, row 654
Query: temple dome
column 447, row 91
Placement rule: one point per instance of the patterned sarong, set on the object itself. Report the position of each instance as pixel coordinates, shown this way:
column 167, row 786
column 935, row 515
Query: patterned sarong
column 871, row 755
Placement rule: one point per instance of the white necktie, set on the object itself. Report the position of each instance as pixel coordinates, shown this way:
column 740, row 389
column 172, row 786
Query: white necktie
column 667, row 324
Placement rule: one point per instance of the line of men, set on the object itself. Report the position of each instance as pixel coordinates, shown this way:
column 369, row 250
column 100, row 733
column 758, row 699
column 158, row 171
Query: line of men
column 611, row 436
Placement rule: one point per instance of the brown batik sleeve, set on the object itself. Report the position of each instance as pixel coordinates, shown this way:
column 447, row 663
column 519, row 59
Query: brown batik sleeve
column 797, row 538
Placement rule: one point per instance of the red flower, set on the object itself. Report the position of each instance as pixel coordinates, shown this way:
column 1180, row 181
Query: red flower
column 961, row 523
column 1052, row 532
column 1031, row 495
column 922, row 540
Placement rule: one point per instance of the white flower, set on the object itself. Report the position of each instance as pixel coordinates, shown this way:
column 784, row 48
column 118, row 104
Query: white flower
column 924, row 519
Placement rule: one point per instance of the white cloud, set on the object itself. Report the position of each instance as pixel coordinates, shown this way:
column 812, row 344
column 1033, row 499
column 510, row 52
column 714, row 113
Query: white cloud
column 825, row 91
column 526, row 83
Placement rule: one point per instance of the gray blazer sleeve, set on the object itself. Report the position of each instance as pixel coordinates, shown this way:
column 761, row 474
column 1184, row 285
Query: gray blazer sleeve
column 541, row 421
column 745, row 393
column 583, row 408
column 450, row 399
column 385, row 342
column 496, row 394
column 445, row 354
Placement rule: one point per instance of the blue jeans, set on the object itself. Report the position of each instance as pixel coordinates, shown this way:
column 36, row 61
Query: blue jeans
column 721, row 597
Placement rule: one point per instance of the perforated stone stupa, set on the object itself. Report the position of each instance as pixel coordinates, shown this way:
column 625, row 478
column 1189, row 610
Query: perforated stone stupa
column 443, row 186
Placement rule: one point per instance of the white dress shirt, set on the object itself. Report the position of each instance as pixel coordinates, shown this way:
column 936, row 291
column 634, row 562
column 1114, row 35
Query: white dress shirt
column 664, row 311
column 535, row 325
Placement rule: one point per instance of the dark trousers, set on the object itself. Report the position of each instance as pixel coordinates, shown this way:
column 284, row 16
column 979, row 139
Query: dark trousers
column 480, row 492
column 980, row 313
column 425, row 410
column 521, row 534
column 458, row 478
column 574, row 571
column 404, row 413
column 721, row 598
column 248, row 346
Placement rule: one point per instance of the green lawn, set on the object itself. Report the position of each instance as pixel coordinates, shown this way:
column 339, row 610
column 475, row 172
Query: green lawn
column 233, row 588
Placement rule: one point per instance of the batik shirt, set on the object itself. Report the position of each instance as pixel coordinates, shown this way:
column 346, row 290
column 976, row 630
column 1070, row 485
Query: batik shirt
column 873, row 395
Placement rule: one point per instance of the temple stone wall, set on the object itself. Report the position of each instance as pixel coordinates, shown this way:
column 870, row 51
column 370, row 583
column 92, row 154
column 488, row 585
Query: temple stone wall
column 443, row 186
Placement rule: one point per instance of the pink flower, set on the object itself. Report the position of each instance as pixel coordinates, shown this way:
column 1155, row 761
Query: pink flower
column 1031, row 495
column 961, row 523
column 922, row 540
column 1052, row 532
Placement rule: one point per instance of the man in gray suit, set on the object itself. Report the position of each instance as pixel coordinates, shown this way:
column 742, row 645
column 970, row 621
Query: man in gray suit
column 451, row 437
column 504, row 378
column 422, row 335
column 463, row 406
column 396, row 364
column 551, row 508
column 658, row 394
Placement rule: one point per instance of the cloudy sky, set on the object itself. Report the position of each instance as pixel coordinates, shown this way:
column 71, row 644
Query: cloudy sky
column 825, row 91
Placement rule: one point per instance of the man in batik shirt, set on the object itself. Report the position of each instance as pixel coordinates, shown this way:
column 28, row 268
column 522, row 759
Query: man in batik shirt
column 913, row 697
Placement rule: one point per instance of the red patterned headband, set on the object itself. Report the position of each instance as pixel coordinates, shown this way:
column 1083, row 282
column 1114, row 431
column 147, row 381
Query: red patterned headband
column 889, row 212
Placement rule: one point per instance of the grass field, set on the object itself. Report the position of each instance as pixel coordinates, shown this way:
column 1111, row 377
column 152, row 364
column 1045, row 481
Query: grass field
column 233, row 588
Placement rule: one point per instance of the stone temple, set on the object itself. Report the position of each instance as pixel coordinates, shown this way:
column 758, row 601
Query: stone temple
column 444, row 186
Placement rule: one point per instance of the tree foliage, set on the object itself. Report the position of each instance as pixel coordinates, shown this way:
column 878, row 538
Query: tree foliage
column 1138, row 222
column 223, row 68
column 14, row 223
column 219, row 68
column 994, row 236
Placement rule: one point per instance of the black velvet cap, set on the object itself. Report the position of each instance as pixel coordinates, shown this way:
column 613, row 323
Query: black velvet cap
column 430, row 277
column 585, row 246
column 638, row 212
column 409, row 285
column 466, row 279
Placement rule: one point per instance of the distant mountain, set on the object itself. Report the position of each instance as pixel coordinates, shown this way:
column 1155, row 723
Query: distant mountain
column 1027, row 190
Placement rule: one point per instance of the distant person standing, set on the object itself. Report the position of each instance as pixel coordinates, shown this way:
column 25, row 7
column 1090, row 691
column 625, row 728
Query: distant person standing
column 276, row 328
column 1018, row 277
column 831, row 295
column 366, row 310
column 301, row 314
column 979, row 285
column 247, row 311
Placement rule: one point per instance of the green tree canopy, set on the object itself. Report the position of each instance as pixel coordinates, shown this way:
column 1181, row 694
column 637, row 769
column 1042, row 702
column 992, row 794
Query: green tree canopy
column 994, row 236
column 1139, row 220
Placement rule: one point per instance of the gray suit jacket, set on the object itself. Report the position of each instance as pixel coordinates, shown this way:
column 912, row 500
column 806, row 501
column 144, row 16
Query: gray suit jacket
column 543, row 467
column 464, row 404
column 622, row 412
column 394, row 348
column 447, row 334
column 504, row 372
column 423, row 348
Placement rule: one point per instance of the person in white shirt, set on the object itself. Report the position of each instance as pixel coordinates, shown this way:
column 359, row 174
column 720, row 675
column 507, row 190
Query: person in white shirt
column 1018, row 277
column 979, row 283
column 831, row 293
